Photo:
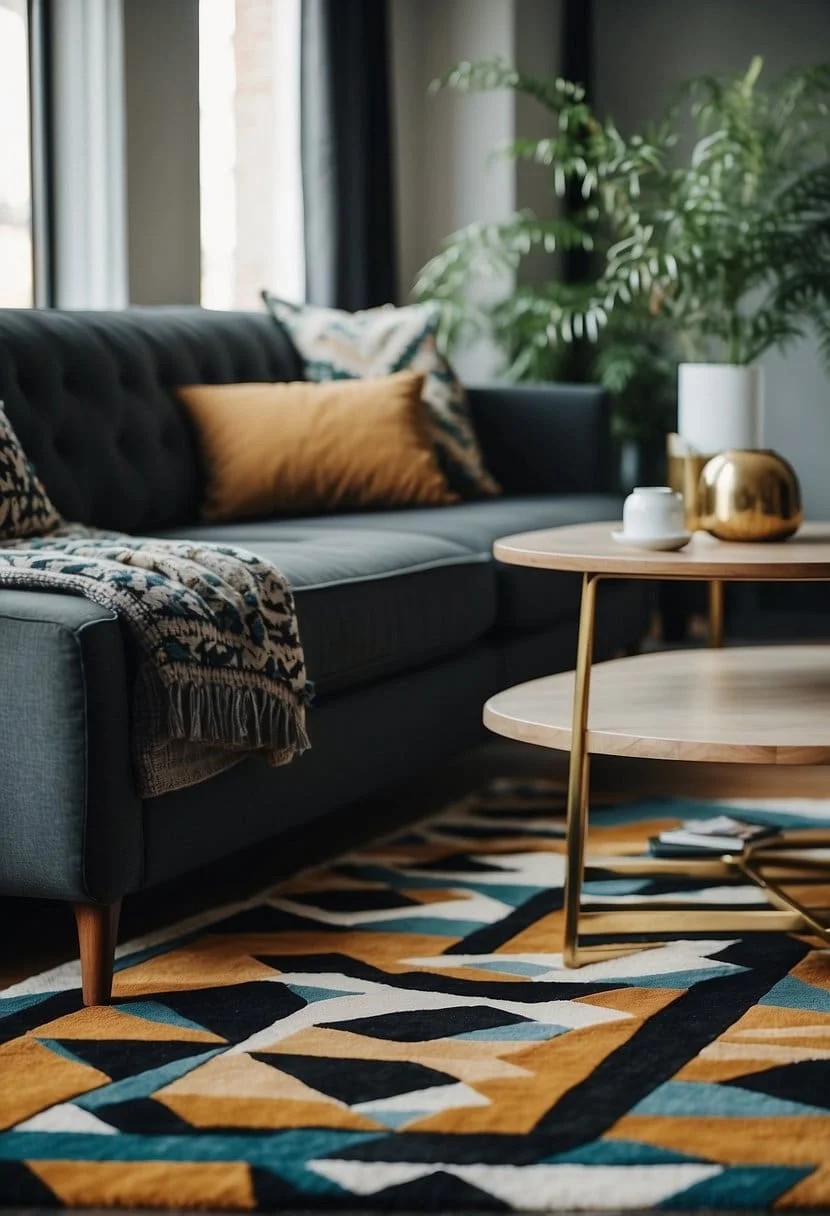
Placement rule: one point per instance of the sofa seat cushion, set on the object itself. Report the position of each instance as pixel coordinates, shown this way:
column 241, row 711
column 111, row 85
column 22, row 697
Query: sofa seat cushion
column 527, row 599
column 370, row 603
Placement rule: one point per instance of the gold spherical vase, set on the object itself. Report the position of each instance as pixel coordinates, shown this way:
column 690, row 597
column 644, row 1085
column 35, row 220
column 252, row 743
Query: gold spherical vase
column 749, row 495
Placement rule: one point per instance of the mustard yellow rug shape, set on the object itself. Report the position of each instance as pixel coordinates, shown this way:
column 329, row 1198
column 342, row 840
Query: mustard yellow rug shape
column 397, row 1031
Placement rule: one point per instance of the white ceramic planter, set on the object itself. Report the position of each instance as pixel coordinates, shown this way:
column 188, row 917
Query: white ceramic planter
column 720, row 406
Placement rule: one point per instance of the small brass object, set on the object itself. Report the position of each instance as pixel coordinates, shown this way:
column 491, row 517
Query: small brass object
column 749, row 494
column 684, row 466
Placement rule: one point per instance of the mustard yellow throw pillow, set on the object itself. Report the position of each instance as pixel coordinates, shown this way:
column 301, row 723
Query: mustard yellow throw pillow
column 298, row 447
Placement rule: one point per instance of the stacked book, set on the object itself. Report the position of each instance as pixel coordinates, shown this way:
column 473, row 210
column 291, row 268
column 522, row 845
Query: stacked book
column 708, row 837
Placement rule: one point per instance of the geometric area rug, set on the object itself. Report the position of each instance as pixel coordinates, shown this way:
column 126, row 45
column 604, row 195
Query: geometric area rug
column 396, row 1031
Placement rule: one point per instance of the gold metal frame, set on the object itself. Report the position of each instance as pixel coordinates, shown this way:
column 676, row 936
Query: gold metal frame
column 716, row 614
column 786, row 914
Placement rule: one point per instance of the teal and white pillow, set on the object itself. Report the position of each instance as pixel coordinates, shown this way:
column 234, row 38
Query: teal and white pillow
column 336, row 345
column 25, row 508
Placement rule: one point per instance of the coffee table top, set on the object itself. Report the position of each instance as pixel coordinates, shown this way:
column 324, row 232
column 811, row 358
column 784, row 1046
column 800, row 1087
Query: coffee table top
column 590, row 548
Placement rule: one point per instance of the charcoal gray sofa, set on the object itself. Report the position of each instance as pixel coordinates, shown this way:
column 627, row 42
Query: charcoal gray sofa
column 408, row 623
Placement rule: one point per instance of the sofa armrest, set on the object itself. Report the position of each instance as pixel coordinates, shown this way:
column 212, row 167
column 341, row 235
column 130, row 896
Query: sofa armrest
column 544, row 438
column 70, row 817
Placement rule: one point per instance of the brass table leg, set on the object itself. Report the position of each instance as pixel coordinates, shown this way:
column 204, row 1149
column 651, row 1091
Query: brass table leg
column 716, row 614
column 675, row 917
column 574, row 955
column 578, row 772
column 755, row 862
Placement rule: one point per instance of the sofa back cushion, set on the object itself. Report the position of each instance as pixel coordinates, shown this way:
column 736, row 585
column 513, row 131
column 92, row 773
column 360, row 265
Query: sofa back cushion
column 91, row 396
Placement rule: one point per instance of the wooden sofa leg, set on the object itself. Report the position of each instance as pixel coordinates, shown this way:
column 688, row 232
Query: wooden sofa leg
column 97, row 935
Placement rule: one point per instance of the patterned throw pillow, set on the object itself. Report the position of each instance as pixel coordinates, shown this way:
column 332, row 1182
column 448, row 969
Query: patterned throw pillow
column 25, row 509
column 337, row 345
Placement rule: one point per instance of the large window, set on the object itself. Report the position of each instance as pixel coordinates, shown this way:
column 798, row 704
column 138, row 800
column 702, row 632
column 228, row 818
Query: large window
column 16, row 277
column 251, row 195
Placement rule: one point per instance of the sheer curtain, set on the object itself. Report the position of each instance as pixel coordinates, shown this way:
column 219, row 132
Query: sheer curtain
column 85, row 190
column 16, row 287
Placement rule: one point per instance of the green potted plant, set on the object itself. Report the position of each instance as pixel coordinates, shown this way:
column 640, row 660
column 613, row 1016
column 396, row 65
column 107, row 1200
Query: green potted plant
column 708, row 258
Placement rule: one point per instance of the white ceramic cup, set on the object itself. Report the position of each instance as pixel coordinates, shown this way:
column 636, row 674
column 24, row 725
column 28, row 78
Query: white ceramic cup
column 653, row 512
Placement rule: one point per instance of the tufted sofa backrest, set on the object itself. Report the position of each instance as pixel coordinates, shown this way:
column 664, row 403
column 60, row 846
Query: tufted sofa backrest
column 92, row 398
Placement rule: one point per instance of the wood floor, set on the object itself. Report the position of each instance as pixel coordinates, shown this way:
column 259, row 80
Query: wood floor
column 38, row 934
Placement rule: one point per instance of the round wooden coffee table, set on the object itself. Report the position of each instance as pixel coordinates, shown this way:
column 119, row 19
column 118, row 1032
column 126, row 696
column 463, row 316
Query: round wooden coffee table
column 758, row 705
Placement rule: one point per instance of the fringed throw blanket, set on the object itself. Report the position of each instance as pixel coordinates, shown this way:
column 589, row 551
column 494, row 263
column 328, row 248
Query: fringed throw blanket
column 221, row 672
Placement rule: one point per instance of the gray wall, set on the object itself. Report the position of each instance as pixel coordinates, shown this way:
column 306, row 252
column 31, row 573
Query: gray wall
column 444, row 179
column 643, row 48
column 538, row 38
column 445, row 174
column 161, row 51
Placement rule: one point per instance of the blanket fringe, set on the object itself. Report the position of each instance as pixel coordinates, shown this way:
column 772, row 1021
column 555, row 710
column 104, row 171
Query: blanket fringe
column 250, row 718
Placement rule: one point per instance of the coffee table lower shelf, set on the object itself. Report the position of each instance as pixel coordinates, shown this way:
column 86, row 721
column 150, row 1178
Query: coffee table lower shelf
column 759, row 705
